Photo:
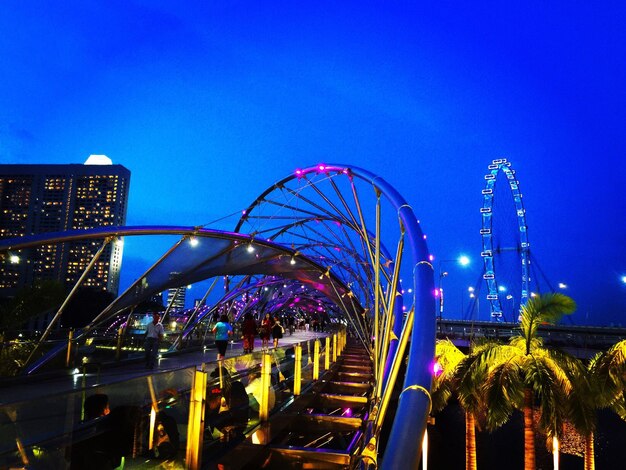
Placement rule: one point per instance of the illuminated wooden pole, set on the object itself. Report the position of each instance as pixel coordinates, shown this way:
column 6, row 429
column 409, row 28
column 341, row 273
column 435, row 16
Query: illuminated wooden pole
column 316, row 360
column 68, row 356
column 118, row 350
column 266, row 371
column 153, row 412
column 327, row 354
column 195, row 425
column 342, row 343
column 297, row 373
column 335, row 348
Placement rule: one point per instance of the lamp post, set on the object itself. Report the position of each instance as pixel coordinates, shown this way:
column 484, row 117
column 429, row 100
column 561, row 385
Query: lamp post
column 461, row 260
column 473, row 295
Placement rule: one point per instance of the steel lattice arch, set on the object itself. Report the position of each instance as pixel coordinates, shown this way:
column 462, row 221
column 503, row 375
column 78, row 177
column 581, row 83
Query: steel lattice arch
column 333, row 237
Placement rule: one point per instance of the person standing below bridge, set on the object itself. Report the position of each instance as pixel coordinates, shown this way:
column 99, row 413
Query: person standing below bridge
column 222, row 331
column 154, row 333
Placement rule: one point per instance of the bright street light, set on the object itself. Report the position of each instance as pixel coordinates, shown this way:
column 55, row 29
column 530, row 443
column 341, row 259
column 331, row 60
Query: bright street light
column 562, row 286
column 473, row 294
column 462, row 260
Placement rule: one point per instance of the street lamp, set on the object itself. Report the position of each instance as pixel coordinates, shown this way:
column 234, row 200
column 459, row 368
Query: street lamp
column 462, row 260
column 474, row 295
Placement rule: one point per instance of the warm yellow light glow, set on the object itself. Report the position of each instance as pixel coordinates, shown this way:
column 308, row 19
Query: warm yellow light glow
column 555, row 451
column 425, row 450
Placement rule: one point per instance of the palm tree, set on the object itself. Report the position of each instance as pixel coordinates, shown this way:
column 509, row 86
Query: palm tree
column 517, row 374
column 602, row 386
column 447, row 358
column 456, row 374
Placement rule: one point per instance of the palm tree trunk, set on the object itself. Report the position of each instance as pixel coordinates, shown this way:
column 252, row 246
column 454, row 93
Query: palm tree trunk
column 470, row 441
column 590, row 458
column 529, row 431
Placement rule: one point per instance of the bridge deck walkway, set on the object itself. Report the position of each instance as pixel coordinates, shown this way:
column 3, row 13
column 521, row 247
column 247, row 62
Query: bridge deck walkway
column 38, row 386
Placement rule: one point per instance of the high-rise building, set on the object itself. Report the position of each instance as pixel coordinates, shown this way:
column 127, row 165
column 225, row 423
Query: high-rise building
column 176, row 296
column 36, row 199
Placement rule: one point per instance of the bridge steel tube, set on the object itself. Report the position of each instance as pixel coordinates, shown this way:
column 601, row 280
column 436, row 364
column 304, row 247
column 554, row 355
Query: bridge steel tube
column 403, row 450
column 413, row 407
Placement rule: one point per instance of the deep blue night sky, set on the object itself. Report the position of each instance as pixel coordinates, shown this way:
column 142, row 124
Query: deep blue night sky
column 209, row 103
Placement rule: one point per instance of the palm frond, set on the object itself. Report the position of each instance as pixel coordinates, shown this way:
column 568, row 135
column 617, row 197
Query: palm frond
column 619, row 406
column 551, row 387
column 503, row 391
column 546, row 308
column 607, row 370
column 470, row 374
column 448, row 357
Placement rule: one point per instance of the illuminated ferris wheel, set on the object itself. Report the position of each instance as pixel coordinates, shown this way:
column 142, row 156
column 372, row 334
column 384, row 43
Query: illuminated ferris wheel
column 505, row 246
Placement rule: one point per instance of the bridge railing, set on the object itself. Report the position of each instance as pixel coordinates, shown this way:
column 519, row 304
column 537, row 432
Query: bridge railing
column 152, row 417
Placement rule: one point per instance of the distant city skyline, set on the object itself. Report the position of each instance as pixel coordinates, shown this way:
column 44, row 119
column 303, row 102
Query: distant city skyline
column 36, row 199
column 210, row 104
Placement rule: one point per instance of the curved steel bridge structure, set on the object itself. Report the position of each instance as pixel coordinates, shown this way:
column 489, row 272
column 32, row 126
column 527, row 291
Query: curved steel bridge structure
column 331, row 238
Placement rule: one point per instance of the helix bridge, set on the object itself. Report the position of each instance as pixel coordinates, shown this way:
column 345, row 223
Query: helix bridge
column 334, row 244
